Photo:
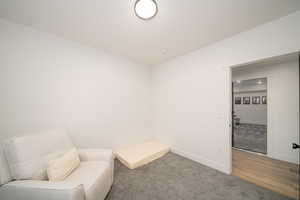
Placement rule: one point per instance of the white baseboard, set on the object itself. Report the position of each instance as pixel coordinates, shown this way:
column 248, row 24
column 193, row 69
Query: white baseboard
column 201, row 160
column 284, row 157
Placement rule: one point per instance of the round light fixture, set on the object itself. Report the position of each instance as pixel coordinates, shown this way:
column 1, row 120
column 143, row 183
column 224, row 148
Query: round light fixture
column 145, row 9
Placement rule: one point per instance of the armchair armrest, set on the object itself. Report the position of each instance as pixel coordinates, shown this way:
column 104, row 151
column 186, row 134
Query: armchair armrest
column 96, row 155
column 106, row 155
column 46, row 190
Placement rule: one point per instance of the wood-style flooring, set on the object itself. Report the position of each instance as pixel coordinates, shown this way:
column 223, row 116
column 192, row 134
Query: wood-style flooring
column 276, row 175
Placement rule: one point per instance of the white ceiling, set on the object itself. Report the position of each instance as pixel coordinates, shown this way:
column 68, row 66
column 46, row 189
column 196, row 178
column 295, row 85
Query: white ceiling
column 251, row 82
column 180, row 26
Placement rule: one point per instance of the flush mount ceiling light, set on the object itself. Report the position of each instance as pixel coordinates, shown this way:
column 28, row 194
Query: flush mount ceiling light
column 145, row 9
column 259, row 82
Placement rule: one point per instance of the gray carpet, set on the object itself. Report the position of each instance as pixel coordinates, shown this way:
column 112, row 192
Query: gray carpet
column 252, row 137
column 176, row 178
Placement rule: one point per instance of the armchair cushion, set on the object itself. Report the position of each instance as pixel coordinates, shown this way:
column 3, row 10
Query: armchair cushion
column 37, row 190
column 62, row 167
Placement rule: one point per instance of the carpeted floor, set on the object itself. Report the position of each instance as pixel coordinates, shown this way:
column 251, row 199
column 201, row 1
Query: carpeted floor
column 252, row 137
column 176, row 178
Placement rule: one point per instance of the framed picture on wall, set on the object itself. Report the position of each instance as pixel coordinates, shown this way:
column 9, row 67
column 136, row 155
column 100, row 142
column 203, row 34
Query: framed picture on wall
column 246, row 100
column 238, row 100
column 264, row 99
column 256, row 100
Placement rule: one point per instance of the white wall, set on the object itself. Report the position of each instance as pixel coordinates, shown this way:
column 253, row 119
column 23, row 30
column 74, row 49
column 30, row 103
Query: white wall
column 191, row 92
column 283, row 105
column 251, row 113
column 47, row 82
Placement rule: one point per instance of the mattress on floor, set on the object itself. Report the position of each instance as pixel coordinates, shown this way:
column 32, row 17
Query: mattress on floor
column 142, row 154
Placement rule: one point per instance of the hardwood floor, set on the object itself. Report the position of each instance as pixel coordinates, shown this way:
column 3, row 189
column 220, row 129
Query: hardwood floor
column 276, row 175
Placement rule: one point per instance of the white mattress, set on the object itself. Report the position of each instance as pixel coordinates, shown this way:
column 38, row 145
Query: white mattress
column 142, row 154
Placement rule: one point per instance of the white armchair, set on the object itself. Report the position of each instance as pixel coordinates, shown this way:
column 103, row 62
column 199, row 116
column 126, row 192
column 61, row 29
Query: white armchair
column 24, row 156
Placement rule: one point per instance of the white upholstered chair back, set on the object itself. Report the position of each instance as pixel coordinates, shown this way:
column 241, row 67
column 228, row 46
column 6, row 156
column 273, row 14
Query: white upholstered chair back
column 4, row 169
column 27, row 156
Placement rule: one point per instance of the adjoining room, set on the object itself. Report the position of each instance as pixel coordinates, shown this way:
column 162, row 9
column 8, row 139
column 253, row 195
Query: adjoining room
column 149, row 99
column 250, row 115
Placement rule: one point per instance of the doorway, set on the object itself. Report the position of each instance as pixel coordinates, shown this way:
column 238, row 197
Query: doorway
column 249, row 131
column 267, row 155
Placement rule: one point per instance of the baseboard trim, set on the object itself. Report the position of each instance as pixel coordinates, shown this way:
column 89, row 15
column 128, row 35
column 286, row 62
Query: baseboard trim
column 283, row 157
column 201, row 160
